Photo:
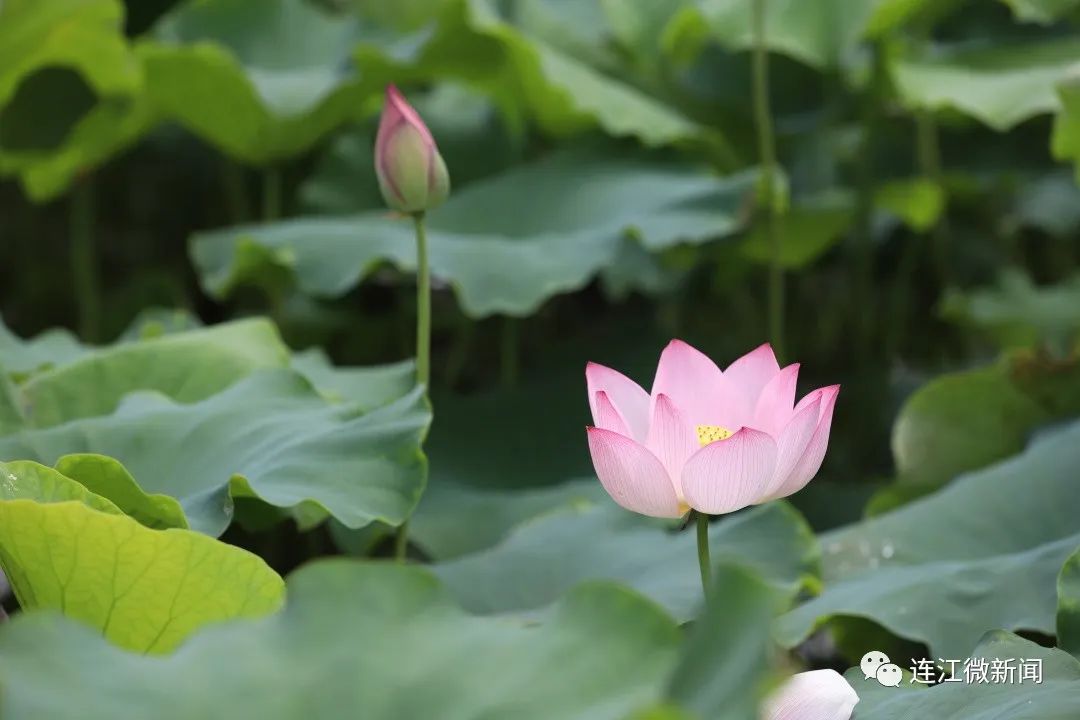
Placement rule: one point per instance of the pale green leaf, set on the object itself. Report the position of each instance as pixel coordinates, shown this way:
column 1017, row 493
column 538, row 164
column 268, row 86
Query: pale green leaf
column 106, row 477
column 145, row 590
column 270, row 435
column 1001, row 85
column 947, row 568
column 544, row 557
column 505, row 244
column 381, row 641
column 1068, row 611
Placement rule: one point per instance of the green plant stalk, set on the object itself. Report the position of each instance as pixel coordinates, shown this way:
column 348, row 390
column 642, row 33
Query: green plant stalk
column 863, row 267
column 234, row 191
column 928, row 158
column 84, row 259
column 704, row 563
column 423, row 345
column 271, row 194
column 423, row 303
column 928, row 155
column 767, row 155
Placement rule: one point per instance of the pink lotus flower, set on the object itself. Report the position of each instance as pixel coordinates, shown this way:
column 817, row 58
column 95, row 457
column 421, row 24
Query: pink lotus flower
column 412, row 175
column 705, row 439
column 814, row 695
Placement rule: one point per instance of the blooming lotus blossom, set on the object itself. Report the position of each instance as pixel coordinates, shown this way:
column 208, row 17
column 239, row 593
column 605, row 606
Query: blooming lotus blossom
column 705, row 439
column 412, row 175
column 814, row 695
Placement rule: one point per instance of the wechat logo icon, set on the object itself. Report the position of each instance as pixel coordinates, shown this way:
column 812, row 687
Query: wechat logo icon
column 875, row 664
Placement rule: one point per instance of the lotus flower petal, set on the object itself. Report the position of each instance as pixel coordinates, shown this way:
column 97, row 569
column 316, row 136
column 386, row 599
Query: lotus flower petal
column 608, row 417
column 692, row 381
column 626, row 395
column 777, row 400
column 814, row 695
column 745, row 380
column 671, row 437
column 792, row 443
column 810, row 462
column 682, row 431
column 632, row 475
column 728, row 475
column 412, row 174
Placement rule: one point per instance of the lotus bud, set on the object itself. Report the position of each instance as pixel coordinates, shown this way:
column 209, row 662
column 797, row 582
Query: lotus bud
column 412, row 174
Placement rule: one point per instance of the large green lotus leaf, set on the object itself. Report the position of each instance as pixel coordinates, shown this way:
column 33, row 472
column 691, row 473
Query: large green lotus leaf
column 724, row 666
column 1065, row 140
column 25, row 480
column 639, row 27
column 261, row 79
column 186, row 367
column 69, row 86
column 820, row 33
column 1068, row 614
column 112, row 126
column 530, row 78
column 1048, row 202
column 1016, row 312
column 107, row 478
column 86, row 35
column 999, row 85
column 505, row 244
column 1042, row 11
column 806, row 231
column 982, row 553
column 379, row 641
column 145, row 590
column 54, row 347
column 365, row 387
column 11, row 414
column 270, row 435
column 542, row 558
column 966, row 420
column 454, row 520
column 1057, row 697
column 918, row 202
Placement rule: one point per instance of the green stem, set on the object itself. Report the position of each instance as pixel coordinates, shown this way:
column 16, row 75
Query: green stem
column 423, row 304
column 928, row 152
column 271, row 194
column 235, row 191
column 508, row 352
column 84, row 261
column 423, row 345
column 704, row 564
column 767, row 155
column 863, row 267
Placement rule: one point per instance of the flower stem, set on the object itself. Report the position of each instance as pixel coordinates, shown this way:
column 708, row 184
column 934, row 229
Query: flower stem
column 271, row 194
column 928, row 152
column 423, row 346
column 767, row 155
column 84, row 261
column 703, row 553
column 423, row 304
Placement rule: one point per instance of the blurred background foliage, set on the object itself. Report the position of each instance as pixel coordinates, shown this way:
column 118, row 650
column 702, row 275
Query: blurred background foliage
column 215, row 156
